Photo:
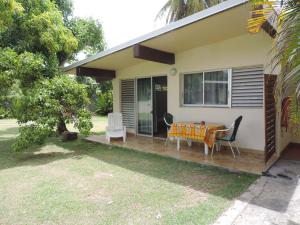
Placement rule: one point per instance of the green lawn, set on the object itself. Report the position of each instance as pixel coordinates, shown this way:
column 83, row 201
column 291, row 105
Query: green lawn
column 85, row 183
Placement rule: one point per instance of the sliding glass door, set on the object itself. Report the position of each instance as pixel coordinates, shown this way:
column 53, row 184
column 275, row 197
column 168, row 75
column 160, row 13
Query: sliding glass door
column 144, row 106
column 159, row 103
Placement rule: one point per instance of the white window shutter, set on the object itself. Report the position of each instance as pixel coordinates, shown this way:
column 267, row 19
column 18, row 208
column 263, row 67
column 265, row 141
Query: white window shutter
column 247, row 87
column 128, row 102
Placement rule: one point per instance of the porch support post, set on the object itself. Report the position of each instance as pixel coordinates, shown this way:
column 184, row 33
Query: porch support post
column 151, row 54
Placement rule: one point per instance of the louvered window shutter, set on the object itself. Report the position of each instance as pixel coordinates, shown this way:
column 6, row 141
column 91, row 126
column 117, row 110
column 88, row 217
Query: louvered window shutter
column 247, row 87
column 127, row 102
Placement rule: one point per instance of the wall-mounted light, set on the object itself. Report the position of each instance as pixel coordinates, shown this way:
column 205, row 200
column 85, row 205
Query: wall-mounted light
column 173, row 71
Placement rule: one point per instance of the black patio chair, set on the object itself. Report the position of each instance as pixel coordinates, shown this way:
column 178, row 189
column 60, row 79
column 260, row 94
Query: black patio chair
column 229, row 137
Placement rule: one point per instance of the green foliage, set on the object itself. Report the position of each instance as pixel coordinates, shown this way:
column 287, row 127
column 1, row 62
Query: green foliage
column 39, row 30
column 36, row 38
column 51, row 101
column 26, row 67
column 5, row 113
column 104, row 104
column 8, row 59
column 100, row 94
column 83, row 121
column 294, row 111
column 47, row 30
column 88, row 32
column 92, row 88
column 9, row 9
column 91, row 85
column 286, row 50
column 66, row 8
column 177, row 9
column 30, row 135
column 89, row 35
column 29, row 68
column 105, row 86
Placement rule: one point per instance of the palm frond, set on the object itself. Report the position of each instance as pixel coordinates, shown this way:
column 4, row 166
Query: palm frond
column 286, row 47
column 260, row 13
column 291, row 74
column 163, row 10
column 194, row 6
column 177, row 9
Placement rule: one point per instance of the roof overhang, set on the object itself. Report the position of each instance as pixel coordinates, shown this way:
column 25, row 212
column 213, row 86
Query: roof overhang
column 220, row 22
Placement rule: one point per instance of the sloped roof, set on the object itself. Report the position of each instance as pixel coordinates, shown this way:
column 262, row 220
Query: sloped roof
column 177, row 36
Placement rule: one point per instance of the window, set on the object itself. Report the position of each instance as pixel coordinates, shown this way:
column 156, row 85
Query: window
column 206, row 88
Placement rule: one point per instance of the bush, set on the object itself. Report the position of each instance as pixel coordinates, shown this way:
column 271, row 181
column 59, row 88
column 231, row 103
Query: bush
column 30, row 135
column 5, row 113
column 104, row 103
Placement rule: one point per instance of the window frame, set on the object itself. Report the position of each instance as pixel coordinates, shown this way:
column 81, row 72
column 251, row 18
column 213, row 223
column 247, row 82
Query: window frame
column 228, row 105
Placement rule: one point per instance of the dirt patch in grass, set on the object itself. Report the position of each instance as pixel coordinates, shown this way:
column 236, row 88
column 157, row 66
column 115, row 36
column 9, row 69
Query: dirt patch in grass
column 99, row 196
column 101, row 175
column 193, row 198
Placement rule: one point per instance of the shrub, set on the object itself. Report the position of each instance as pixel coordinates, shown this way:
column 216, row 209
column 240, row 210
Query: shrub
column 104, row 103
column 30, row 135
column 4, row 113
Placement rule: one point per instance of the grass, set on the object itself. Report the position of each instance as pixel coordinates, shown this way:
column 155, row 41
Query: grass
column 84, row 183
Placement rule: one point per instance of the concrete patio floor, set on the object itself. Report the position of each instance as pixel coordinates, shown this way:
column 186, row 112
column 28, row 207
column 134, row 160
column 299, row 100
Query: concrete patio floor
column 270, row 200
column 249, row 161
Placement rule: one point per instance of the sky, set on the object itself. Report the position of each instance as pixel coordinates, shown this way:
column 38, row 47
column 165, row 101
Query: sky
column 121, row 20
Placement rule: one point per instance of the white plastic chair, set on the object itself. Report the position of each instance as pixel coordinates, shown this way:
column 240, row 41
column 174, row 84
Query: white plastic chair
column 115, row 128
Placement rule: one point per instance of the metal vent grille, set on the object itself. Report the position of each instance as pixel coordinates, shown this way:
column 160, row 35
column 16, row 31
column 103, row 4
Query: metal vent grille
column 127, row 102
column 247, row 87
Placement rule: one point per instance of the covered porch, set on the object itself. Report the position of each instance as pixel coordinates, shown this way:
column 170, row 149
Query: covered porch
column 249, row 161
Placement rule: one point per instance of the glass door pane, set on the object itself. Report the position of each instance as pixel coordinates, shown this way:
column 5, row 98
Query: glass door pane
column 144, row 106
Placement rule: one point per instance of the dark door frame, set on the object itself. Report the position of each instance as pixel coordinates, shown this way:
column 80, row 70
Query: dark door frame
column 270, row 116
column 159, row 106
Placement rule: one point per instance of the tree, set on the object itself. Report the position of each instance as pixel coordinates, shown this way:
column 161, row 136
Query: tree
column 89, row 34
column 90, row 37
column 66, row 8
column 7, row 60
column 40, row 30
column 178, row 9
column 286, row 50
column 9, row 8
column 35, row 39
column 52, row 100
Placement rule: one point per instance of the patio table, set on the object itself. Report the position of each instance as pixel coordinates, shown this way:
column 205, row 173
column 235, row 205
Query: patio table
column 194, row 131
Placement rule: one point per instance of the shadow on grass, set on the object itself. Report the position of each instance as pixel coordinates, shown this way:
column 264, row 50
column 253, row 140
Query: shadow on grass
column 202, row 178
column 9, row 131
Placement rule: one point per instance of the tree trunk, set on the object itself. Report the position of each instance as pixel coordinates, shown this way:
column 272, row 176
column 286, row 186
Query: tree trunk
column 61, row 127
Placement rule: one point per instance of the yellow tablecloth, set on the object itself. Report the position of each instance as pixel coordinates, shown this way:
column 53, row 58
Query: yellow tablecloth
column 195, row 131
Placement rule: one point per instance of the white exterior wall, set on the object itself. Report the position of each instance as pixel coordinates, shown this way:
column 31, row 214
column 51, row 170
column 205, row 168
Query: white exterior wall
column 246, row 50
